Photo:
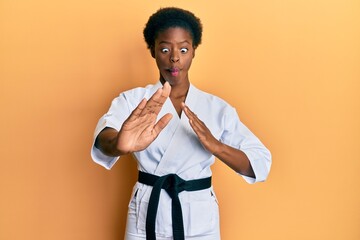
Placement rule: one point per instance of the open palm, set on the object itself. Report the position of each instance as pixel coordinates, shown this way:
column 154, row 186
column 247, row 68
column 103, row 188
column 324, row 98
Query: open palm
column 141, row 128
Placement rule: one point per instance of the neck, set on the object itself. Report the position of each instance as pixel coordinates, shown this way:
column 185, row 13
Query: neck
column 178, row 91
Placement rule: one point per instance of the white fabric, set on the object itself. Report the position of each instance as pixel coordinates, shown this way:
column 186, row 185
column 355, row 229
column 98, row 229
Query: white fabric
column 177, row 150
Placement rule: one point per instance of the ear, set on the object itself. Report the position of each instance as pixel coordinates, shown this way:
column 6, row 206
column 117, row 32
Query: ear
column 152, row 51
column 193, row 53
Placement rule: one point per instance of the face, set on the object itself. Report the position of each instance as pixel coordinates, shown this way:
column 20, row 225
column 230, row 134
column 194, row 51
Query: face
column 173, row 52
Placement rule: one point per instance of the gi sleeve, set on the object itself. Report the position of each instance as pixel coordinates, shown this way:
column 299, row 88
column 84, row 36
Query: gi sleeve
column 238, row 136
column 114, row 118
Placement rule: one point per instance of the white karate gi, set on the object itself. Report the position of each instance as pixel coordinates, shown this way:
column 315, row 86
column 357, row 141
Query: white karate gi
column 178, row 150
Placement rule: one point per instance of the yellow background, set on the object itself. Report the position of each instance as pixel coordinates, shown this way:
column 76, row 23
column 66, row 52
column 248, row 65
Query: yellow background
column 291, row 68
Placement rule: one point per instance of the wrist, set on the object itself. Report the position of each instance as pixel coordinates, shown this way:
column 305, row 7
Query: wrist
column 218, row 148
column 116, row 148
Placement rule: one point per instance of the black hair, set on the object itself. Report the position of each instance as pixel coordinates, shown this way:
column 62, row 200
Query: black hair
column 170, row 17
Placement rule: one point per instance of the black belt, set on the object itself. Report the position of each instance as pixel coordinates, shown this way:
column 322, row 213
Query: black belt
column 173, row 185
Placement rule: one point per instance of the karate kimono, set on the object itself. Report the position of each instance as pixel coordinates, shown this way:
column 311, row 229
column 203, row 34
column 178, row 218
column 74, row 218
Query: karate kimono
column 178, row 150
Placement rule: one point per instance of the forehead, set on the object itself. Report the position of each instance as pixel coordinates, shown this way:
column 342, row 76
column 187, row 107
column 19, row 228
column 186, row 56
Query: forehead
column 174, row 34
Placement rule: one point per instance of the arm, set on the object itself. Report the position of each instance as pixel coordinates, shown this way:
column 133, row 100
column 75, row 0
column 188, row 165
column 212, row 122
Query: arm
column 139, row 129
column 106, row 142
column 234, row 158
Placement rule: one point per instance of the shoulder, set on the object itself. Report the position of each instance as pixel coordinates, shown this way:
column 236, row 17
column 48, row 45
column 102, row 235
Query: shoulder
column 217, row 114
column 210, row 100
column 138, row 93
column 132, row 97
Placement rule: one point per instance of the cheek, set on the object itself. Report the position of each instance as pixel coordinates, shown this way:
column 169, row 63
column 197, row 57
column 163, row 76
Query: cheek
column 160, row 61
column 187, row 63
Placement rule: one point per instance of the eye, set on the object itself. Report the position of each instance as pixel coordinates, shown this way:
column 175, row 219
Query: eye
column 165, row 50
column 183, row 50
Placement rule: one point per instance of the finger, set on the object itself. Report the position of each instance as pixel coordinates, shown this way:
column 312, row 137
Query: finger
column 194, row 121
column 162, row 123
column 186, row 110
column 140, row 107
column 157, row 100
column 166, row 89
column 190, row 114
column 197, row 125
column 162, row 94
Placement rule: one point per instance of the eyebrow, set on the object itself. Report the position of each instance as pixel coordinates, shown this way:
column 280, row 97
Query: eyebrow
column 166, row 42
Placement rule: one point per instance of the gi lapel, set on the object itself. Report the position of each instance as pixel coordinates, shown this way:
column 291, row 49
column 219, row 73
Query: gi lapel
column 181, row 131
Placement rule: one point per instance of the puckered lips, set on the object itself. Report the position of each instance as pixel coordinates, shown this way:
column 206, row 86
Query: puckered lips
column 174, row 71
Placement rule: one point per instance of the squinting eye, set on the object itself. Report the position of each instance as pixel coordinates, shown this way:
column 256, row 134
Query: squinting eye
column 183, row 50
column 165, row 50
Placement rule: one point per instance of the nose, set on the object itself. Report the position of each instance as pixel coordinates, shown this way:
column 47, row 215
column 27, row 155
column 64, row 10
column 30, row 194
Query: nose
column 174, row 58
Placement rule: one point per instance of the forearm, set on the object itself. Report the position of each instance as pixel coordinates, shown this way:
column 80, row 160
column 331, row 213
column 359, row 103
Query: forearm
column 106, row 141
column 234, row 158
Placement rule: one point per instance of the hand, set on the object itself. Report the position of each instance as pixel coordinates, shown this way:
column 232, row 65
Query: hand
column 234, row 158
column 206, row 138
column 141, row 128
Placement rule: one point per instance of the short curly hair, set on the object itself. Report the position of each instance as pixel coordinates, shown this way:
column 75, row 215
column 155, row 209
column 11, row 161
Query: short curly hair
column 170, row 17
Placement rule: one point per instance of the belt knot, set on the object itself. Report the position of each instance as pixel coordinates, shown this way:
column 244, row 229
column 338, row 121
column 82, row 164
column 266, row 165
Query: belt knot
column 173, row 184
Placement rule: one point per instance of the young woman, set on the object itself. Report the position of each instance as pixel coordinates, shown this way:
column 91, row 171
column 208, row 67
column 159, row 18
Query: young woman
column 175, row 131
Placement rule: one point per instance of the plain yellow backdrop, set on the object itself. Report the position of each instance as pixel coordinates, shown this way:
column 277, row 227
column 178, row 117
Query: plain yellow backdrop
column 291, row 68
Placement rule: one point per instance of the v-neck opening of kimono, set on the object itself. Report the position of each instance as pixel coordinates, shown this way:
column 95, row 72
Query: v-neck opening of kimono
column 176, row 126
column 189, row 101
